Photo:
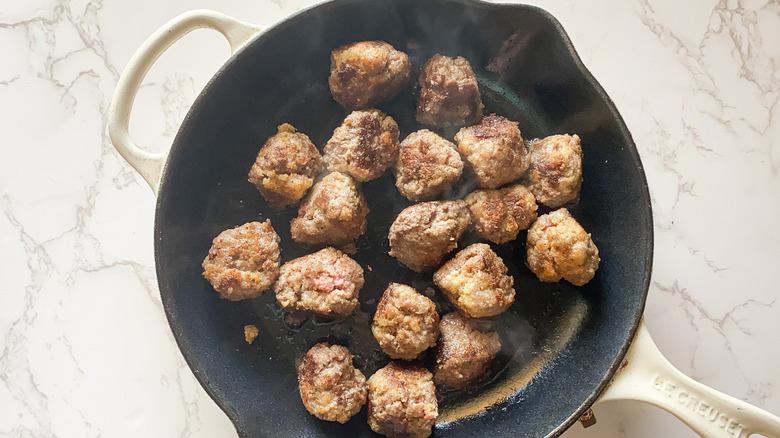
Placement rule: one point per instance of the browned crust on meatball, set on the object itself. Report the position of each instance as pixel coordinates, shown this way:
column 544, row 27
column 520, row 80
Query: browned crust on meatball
column 476, row 281
column 466, row 348
column 427, row 165
column 499, row 215
column 495, row 151
column 326, row 283
column 423, row 234
column 558, row 247
column 402, row 401
column 364, row 146
column 405, row 323
column 331, row 388
column 334, row 213
column 365, row 73
column 243, row 261
column 285, row 167
column 449, row 93
column 555, row 171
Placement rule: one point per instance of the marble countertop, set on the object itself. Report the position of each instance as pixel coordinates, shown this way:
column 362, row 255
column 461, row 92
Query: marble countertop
column 86, row 349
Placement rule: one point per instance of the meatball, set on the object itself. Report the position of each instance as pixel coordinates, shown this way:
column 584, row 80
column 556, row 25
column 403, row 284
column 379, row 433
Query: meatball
column 495, row 150
column 475, row 281
column 402, row 401
column 405, row 322
column 334, row 213
column 365, row 73
column 555, row 171
column 423, row 234
column 427, row 165
column 558, row 247
column 449, row 93
column 325, row 283
column 332, row 389
column 498, row 215
column 364, row 146
column 243, row 261
column 466, row 348
column 285, row 167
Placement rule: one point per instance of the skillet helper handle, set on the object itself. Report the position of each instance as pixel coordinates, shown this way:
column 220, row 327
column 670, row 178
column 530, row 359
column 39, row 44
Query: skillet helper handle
column 150, row 165
column 645, row 375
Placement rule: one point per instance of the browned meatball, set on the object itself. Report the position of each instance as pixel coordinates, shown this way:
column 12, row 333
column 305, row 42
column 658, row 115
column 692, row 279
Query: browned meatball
column 405, row 323
column 334, row 213
column 498, row 215
column 285, row 167
column 243, row 261
column 495, row 150
column 555, row 172
column 475, row 281
column 423, row 234
column 558, row 247
column 466, row 348
column 449, row 93
column 402, row 401
column 427, row 165
column 364, row 145
column 366, row 73
column 332, row 389
column 325, row 283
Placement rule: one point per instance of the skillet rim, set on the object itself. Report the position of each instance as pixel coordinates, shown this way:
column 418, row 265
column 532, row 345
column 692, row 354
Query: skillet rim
column 233, row 414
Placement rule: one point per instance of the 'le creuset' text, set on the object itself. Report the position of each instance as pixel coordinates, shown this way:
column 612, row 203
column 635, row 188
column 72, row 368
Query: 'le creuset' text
column 698, row 405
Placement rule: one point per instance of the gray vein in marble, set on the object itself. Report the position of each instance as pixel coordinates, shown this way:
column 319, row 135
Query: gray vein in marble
column 717, row 323
column 14, row 365
column 666, row 156
column 10, row 81
column 175, row 101
column 731, row 27
column 710, row 264
column 737, row 21
column 674, row 289
column 191, row 406
column 697, row 141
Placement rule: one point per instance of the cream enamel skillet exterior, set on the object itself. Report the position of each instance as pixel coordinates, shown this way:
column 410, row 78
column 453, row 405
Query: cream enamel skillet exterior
column 645, row 375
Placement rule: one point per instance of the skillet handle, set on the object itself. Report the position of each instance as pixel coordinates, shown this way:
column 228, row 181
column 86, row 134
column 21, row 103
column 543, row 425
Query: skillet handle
column 149, row 165
column 645, row 375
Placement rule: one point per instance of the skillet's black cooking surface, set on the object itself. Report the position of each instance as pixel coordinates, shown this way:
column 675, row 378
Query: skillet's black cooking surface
column 561, row 343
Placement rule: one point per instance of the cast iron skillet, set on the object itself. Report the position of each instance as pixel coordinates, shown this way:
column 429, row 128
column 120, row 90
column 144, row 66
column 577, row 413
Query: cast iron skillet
column 562, row 344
